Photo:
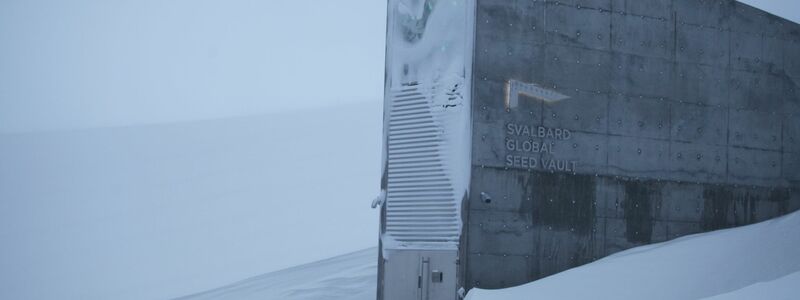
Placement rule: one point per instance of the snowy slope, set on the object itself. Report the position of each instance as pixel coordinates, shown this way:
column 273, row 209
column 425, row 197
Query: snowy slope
column 351, row 276
column 784, row 288
column 161, row 211
column 760, row 261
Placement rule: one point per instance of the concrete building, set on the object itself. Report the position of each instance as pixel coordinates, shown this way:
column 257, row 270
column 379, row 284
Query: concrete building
column 525, row 137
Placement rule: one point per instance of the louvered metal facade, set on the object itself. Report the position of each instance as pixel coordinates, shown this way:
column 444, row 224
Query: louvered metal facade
column 421, row 204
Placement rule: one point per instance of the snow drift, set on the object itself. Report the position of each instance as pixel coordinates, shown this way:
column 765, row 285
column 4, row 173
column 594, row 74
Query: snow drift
column 759, row 261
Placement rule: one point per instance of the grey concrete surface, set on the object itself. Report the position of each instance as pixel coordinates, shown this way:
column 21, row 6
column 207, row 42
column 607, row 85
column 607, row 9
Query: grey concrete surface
column 684, row 117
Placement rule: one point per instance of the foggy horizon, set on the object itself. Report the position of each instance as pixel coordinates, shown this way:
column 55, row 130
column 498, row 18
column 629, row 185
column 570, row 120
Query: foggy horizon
column 87, row 64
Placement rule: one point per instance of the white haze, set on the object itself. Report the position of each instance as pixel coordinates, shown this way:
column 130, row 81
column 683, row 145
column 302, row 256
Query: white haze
column 94, row 63
column 160, row 211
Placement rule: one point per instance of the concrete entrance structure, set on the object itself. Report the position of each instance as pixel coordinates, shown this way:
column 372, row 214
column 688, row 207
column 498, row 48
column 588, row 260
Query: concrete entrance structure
column 592, row 127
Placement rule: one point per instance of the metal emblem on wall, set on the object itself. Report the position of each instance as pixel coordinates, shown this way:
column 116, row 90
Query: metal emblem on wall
column 515, row 88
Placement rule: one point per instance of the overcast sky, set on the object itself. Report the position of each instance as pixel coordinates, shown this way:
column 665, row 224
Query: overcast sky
column 91, row 63
column 87, row 63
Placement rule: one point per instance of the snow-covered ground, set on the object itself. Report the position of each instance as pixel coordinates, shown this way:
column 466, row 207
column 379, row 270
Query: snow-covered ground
column 760, row 261
column 162, row 211
column 347, row 277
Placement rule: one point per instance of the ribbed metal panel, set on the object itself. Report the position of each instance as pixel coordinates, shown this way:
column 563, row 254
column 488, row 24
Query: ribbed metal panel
column 421, row 205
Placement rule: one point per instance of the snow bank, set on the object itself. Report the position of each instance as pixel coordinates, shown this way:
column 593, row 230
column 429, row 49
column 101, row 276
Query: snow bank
column 728, row 264
column 784, row 288
column 754, row 262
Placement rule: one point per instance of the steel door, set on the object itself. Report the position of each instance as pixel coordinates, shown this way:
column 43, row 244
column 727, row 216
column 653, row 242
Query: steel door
column 420, row 275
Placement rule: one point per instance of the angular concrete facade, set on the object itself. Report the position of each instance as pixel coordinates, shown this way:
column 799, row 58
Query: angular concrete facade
column 602, row 125
column 683, row 117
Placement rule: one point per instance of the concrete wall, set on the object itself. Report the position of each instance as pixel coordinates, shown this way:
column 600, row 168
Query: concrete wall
column 683, row 116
